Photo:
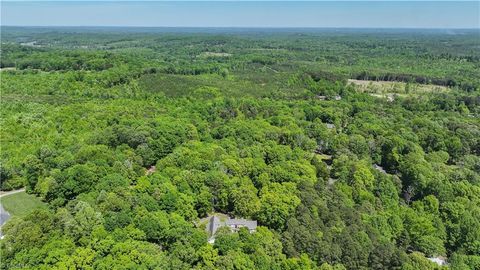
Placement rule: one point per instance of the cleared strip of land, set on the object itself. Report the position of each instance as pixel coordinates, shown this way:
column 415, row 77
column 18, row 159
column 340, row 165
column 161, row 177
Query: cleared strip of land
column 385, row 87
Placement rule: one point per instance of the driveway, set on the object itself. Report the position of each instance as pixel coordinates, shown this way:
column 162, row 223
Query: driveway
column 6, row 193
column 4, row 216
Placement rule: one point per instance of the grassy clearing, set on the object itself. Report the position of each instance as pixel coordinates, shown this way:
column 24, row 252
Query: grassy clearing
column 380, row 87
column 20, row 204
column 214, row 55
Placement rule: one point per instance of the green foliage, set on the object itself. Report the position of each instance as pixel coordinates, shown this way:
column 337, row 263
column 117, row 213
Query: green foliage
column 278, row 201
column 130, row 138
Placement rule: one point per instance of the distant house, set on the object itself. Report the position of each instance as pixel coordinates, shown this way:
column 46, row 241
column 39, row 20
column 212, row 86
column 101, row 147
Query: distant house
column 151, row 170
column 320, row 97
column 331, row 181
column 438, row 260
column 379, row 168
column 330, row 126
column 390, row 98
column 215, row 222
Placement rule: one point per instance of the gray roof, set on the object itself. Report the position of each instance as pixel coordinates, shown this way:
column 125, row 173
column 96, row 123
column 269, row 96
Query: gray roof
column 250, row 224
column 379, row 168
column 215, row 223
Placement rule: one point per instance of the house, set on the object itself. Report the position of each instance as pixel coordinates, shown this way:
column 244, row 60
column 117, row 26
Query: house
column 438, row 260
column 379, row 168
column 236, row 224
column 151, row 170
column 390, row 98
column 215, row 222
column 330, row 126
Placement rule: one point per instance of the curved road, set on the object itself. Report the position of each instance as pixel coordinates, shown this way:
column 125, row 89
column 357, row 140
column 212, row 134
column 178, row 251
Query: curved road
column 4, row 215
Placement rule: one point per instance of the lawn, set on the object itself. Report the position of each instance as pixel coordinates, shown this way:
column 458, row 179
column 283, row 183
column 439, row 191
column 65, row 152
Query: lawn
column 20, row 204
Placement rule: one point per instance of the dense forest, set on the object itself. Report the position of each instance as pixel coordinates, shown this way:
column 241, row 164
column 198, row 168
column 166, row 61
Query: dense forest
column 131, row 136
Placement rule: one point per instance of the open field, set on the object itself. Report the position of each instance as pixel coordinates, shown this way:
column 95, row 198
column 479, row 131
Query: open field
column 214, row 54
column 384, row 87
column 7, row 68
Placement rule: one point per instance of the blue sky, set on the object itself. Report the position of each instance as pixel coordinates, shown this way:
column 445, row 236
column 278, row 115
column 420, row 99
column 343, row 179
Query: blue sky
column 357, row 14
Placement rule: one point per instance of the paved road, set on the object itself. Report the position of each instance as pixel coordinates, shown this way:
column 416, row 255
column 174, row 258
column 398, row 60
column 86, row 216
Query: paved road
column 4, row 215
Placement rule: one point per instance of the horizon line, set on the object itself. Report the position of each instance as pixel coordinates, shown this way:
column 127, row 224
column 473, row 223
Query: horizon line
column 245, row 27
